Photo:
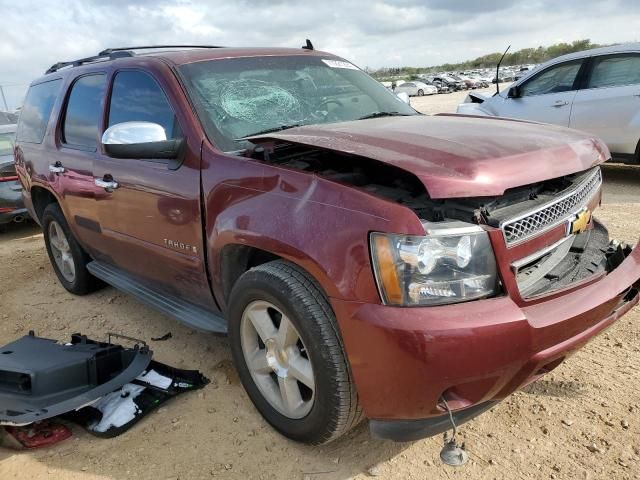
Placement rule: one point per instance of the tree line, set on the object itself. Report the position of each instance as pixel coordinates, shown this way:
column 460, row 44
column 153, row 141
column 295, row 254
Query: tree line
column 520, row 57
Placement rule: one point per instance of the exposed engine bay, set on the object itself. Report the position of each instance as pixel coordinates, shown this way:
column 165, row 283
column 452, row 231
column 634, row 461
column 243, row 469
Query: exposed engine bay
column 576, row 258
column 402, row 187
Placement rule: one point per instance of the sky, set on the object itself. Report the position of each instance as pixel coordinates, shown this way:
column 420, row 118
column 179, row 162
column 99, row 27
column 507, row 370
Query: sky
column 370, row 33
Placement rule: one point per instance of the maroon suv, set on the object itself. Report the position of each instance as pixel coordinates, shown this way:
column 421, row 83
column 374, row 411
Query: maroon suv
column 365, row 260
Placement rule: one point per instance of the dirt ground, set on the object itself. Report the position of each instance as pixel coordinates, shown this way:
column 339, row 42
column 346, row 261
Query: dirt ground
column 580, row 421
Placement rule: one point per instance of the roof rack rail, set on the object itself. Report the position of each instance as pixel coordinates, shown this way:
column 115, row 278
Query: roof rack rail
column 108, row 51
column 120, row 52
column 76, row 63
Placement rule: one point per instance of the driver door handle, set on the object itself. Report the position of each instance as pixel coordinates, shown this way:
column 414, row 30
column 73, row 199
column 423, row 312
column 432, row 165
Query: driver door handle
column 57, row 168
column 560, row 103
column 108, row 185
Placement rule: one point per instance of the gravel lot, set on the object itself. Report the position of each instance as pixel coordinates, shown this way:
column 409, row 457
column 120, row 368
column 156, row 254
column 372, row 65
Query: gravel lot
column 581, row 421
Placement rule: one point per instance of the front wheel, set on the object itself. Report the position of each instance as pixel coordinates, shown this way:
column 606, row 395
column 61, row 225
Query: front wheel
column 420, row 93
column 288, row 352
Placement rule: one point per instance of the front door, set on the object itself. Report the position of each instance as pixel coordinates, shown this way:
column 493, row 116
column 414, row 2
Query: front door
column 547, row 97
column 151, row 223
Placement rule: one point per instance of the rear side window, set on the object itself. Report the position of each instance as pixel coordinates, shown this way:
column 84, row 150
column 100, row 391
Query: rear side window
column 36, row 111
column 84, row 108
column 559, row 78
column 136, row 97
column 613, row 71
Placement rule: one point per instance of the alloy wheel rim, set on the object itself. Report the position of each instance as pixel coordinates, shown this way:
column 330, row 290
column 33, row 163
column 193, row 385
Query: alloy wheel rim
column 61, row 252
column 277, row 359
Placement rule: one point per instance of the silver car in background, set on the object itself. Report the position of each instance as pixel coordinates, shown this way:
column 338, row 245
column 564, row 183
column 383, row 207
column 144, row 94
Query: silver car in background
column 416, row 89
column 597, row 91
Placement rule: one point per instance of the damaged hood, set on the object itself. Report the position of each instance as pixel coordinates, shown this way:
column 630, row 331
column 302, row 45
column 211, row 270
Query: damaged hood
column 455, row 155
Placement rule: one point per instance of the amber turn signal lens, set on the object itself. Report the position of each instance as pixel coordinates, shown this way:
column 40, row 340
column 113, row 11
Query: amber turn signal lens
column 387, row 271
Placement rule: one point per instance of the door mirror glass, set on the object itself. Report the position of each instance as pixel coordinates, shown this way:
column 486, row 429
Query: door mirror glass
column 404, row 96
column 514, row 92
column 144, row 140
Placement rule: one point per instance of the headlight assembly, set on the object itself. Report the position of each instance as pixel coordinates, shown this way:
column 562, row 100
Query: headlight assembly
column 453, row 263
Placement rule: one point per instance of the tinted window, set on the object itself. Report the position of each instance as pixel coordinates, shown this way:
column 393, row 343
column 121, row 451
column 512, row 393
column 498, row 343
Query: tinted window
column 558, row 78
column 615, row 70
column 84, row 110
column 137, row 97
column 36, row 111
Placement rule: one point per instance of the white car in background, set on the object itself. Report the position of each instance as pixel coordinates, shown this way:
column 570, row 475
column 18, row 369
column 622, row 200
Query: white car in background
column 597, row 91
column 416, row 89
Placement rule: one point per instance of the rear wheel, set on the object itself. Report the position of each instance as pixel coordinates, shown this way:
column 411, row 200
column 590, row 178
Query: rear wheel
column 420, row 93
column 288, row 352
column 67, row 257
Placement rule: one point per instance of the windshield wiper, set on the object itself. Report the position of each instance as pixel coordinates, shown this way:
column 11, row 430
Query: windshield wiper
column 384, row 114
column 271, row 130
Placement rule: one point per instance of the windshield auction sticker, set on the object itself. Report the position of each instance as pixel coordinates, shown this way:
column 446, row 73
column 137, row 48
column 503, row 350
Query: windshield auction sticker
column 339, row 64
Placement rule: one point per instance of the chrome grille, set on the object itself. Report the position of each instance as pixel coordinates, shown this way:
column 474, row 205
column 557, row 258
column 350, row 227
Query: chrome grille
column 536, row 221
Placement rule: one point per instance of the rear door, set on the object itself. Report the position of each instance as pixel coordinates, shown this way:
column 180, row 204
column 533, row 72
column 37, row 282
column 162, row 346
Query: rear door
column 151, row 222
column 71, row 162
column 547, row 97
column 609, row 105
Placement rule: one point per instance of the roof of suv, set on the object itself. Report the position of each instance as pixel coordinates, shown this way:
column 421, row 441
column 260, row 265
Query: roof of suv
column 180, row 55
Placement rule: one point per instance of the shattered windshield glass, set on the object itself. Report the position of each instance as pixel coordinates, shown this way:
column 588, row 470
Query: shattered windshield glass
column 240, row 97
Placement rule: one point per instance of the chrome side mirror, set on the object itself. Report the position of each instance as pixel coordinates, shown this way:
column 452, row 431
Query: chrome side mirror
column 142, row 140
column 133, row 132
column 404, row 96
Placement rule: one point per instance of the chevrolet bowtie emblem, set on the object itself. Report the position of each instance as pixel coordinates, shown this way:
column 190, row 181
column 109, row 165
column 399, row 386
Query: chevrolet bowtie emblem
column 580, row 222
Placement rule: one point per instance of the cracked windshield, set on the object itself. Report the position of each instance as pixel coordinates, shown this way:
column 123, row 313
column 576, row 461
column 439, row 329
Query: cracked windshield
column 237, row 98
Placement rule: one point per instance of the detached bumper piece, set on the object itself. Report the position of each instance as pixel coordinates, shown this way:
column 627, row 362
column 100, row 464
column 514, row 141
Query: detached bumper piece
column 104, row 387
column 120, row 410
column 41, row 379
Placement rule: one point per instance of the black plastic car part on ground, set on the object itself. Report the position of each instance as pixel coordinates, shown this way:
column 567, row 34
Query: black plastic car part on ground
column 120, row 410
column 40, row 378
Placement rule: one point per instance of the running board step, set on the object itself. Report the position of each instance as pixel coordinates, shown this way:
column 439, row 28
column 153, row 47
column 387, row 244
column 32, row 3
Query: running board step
column 186, row 312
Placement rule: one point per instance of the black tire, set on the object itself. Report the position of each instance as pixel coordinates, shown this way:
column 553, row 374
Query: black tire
column 84, row 282
column 335, row 408
column 420, row 93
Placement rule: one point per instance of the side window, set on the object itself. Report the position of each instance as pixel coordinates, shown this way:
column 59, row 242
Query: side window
column 84, row 109
column 36, row 111
column 615, row 70
column 136, row 97
column 559, row 78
